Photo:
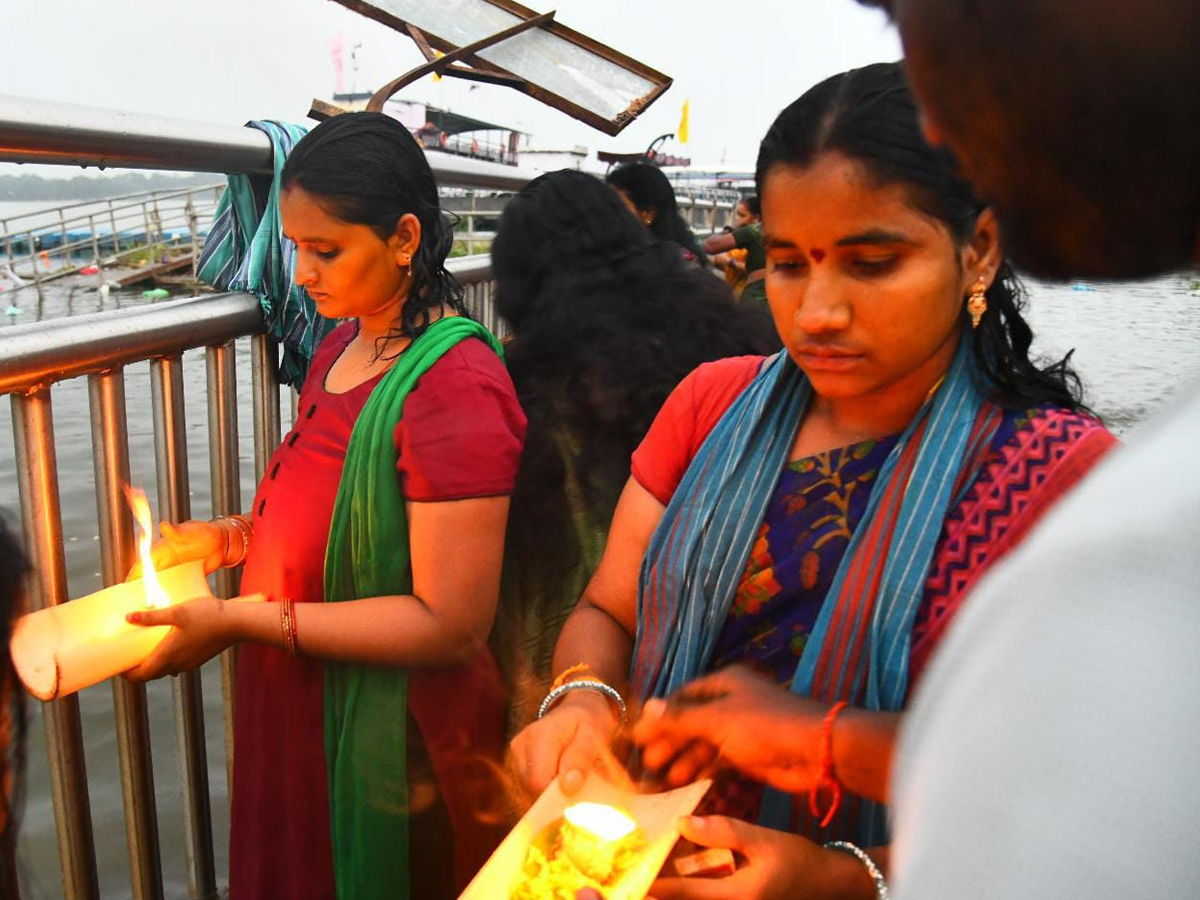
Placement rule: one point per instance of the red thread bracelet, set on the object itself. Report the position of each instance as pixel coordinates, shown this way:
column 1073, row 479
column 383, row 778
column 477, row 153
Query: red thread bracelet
column 826, row 779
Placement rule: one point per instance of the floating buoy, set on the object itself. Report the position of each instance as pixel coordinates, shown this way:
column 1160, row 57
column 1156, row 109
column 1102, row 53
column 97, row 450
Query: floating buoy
column 1080, row 286
column 89, row 270
column 156, row 293
column 13, row 310
column 44, row 256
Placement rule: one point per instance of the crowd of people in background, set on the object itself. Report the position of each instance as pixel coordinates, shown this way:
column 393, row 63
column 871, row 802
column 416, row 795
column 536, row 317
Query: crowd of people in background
column 806, row 514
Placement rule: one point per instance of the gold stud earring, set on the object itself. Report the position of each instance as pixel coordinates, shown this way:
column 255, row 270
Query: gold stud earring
column 977, row 304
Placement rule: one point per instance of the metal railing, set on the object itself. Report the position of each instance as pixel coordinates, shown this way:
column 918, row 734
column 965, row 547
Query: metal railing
column 35, row 358
column 48, row 243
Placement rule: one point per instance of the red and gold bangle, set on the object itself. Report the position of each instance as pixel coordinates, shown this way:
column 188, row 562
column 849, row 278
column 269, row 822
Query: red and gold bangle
column 827, row 778
column 287, row 623
column 243, row 527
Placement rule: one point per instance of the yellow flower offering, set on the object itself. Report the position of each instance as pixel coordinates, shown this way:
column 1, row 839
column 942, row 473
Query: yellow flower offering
column 592, row 845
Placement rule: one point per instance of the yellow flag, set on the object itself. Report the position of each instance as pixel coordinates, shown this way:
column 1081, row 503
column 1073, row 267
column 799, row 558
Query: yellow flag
column 682, row 132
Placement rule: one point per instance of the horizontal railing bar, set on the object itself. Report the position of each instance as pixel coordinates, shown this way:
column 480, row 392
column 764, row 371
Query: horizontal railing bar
column 42, row 352
column 38, row 353
column 67, row 134
column 133, row 211
column 40, row 131
column 160, row 194
column 471, row 269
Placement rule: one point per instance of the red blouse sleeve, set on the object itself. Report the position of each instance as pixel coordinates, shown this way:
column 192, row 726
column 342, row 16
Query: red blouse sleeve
column 462, row 429
column 685, row 420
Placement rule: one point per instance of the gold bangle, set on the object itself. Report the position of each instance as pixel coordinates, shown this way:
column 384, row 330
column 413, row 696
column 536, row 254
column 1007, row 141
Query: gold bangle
column 287, row 622
column 245, row 531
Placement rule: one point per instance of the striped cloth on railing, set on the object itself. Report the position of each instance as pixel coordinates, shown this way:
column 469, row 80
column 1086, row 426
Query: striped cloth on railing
column 246, row 251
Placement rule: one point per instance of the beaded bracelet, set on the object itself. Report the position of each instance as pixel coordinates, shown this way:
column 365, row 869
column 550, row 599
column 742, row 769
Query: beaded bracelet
column 881, row 888
column 584, row 684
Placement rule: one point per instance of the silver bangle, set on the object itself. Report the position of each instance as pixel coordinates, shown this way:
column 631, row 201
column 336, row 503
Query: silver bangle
column 881, row 888
column 584, row 684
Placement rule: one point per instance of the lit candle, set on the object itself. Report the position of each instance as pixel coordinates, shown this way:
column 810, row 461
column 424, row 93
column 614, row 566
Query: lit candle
column 594, row 838
column 65, row 648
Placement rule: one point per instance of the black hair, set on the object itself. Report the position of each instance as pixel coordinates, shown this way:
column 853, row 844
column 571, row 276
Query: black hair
column 366, row 169
column 607, row 321
column 753, row 204
column 1079, row 122
column 13, row 569
column 648, row 189
column 869, row 116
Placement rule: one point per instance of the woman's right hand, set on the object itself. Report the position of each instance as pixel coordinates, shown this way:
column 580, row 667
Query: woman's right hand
column 185, row 542
column 568, row 742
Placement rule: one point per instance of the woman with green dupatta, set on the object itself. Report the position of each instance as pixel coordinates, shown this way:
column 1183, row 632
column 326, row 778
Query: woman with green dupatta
column 368, row 704
column 818, row 518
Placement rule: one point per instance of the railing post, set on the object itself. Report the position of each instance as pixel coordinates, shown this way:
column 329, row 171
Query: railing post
column 174, row 505
column 264, row 368
column 226, row 496
column 37, row 476
column 96, row 251
column 110, row 448
column 35, row 259
column 112, row 220
column 62, row 221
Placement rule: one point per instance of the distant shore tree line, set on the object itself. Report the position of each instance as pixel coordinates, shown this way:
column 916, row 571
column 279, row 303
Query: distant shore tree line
column 93, row 187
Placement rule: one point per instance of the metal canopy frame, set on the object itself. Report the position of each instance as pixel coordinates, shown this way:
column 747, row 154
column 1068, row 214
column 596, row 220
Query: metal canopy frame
column 464, row 62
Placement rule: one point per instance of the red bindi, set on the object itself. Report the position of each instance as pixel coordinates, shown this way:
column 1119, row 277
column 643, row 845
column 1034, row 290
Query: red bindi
column 817, row 254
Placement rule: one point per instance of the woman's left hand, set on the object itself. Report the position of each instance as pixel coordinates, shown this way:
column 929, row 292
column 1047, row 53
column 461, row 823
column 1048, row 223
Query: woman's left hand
column 775, row 865
column 200, row 629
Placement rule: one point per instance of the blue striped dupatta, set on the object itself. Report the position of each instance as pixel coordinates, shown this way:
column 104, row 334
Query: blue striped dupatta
column 246, row 251
column 858, row 650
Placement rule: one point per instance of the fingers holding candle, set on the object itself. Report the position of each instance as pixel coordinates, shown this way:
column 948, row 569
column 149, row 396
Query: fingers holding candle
column 185, row 542
column 200, row 629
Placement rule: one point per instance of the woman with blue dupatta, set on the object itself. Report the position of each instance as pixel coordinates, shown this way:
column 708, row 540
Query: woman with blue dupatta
column 367, row 700
column 821, row 515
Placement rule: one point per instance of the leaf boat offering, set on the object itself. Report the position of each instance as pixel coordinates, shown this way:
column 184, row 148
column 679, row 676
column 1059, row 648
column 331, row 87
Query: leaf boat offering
column 603, row 837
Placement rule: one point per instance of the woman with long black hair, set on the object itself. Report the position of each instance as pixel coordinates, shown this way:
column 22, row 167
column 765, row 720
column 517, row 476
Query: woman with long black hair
column 650, row 197
column 365, row 688
column 607, row 321
column 820, row 516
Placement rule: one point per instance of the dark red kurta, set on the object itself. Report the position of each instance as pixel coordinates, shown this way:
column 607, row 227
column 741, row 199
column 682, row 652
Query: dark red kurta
column 460, row 436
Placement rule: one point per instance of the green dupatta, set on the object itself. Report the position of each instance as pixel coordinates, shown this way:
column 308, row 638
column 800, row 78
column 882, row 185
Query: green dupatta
column 366, row 707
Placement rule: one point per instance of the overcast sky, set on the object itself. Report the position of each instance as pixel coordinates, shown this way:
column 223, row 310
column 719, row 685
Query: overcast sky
column 229, row 61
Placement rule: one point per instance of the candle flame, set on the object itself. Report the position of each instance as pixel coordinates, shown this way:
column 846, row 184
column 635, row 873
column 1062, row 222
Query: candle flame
column 156, row 597
column 606, row 822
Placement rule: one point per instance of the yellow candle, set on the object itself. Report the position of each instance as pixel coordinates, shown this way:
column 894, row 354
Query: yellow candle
column 65, row 648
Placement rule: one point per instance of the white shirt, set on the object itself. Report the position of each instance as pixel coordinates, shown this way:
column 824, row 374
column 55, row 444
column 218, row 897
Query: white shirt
column 1053, row 748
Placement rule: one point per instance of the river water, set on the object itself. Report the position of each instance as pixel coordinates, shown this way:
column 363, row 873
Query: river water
column 1136, row 345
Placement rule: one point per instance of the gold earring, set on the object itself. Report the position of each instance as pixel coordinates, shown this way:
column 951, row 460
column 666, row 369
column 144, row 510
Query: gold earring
column 977, row 304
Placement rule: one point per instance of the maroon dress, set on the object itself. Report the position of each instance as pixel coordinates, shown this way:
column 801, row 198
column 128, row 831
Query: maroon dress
column 460, row 436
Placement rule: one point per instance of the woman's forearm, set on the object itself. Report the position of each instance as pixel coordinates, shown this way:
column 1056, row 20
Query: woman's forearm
column 383, row 631
column 863, row 741
column 594, row 638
